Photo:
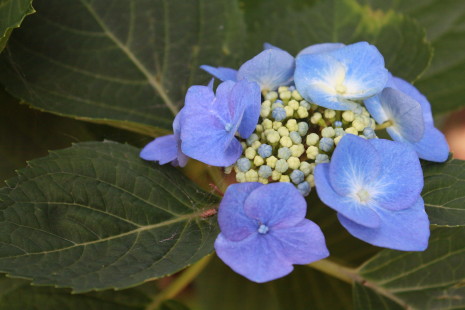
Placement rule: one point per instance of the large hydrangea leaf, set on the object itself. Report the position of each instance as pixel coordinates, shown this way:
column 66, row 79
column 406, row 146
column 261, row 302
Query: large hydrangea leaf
column 126, row 63
column 12, row 13
column 96, row 216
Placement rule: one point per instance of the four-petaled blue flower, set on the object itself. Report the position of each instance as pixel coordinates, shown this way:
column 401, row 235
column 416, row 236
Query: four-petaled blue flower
column 264, row 231
column 412, row 121
column 375, row 187
column 336, row 77
column 209, row 123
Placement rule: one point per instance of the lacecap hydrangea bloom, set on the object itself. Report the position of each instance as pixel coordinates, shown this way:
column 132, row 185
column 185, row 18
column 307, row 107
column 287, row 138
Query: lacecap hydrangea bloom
column 284, row 125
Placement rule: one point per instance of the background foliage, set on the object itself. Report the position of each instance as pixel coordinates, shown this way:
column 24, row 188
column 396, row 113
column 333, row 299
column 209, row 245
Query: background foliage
column 93, row 217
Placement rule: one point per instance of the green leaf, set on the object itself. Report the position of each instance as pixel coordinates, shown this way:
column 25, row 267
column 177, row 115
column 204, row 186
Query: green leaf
column 20, row 295
column 399, row 38
column 303, row 289
column 444, row 21
column 433, row 279
column 444, row 192
column 12, row 13
column 172, row 305
column 125, row 63
column 95, row 216
column 367, row 299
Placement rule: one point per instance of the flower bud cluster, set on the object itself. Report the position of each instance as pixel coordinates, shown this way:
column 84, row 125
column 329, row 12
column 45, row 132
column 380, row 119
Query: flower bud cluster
column 293, row 136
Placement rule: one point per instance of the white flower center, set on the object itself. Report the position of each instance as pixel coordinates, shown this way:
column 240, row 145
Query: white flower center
column 363, row 196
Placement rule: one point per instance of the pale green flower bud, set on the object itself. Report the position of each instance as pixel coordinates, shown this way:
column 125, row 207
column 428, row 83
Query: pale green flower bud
column 281, row 166
column 312, row 139
column 328, row 132
column 251, row 176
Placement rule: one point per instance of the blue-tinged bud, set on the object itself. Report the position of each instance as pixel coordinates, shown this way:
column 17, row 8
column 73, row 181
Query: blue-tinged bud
column 279, row 114
column 321, row 158
column 295, row 137
column 243, row 164
column 357, row 110
column 265, row 171
column 305, row 104
column 369, row 133
column 326, row 144
column 284, row 153
column 265, row 150
column 252, row 138
column 281, row 166
column 304, row 188
column 339, row 132
column 297, row 176
column 263, row 229
column 302, row 128
column 337, row 124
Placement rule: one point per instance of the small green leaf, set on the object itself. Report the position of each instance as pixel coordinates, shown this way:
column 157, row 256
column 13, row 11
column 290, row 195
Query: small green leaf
column 124, row 63
column 367, row 299
column 444, row 192
column 12, row 13
column 433, row 279
column 95, row 216
column 305, row 288
column 399, row 38
column 18, row 294
column 172, row 305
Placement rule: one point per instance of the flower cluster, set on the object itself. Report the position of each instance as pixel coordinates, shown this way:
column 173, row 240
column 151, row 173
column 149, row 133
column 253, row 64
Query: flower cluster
column 285, row 125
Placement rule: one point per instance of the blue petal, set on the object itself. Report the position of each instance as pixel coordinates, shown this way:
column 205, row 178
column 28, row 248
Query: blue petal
column 268, row 46
column 405, row 112
column 320, row 48
column 270, row 69
column 199, row 96
column 302, row 244
column 362, row 214
column 235, row 225
column 400, row 180
column 366, row 73
column 276, row 205
column 405, row 230
column 253, row 257
column 181, row 159
column 411, row 91
column 355, row 163
column 162, row 149
column 246, row 97
column 433, row 146
column 224, row 74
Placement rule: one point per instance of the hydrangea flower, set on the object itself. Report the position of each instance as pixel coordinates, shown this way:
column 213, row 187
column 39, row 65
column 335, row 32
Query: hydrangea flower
column 167, row 148
column 375, row 187
column 340, row 76
column 209, row 123
column 412, row 121
column 270, row 69
column 264, row 231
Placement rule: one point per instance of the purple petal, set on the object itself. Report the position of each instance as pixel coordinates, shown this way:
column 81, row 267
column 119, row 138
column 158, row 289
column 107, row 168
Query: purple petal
column 246, row 97
column 405, row 230
column 253, row 257
column 354, row 163
column 162, row 149
column 235, row 225
column 276, row 205
column 270, row 69
column 320, row 48
column 302, row 244
column 346, row 205
column 197, row 96
column 224, row 74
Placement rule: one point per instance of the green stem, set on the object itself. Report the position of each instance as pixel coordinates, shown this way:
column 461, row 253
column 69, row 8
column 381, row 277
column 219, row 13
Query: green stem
column 217, row 177
column 384, row 125
column 350, row 275
column 180, row 283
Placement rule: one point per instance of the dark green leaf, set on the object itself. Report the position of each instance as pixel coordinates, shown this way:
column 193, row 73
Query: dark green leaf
column 12, row 13
column 433, row 279
column 172, row 305
column 400, row 39
column 367, row 299
column 444, row 21
column 220, row 288
column 20, row 295
column 444, row 192
column 126, row 63
column 96, row 216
